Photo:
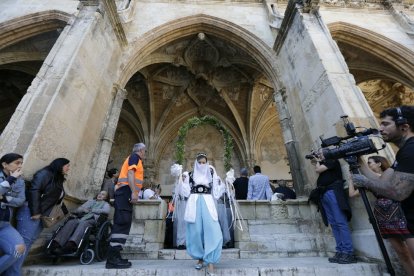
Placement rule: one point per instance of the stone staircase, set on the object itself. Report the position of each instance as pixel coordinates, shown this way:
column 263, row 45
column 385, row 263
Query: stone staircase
column 278, row 238
column 295, row 266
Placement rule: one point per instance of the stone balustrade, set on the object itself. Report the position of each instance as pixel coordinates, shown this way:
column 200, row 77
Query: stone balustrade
column 147, row 233
column 269, row 229
column 281, row 228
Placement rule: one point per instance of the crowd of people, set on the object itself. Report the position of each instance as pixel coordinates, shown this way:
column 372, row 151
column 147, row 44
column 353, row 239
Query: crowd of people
column 201, row 209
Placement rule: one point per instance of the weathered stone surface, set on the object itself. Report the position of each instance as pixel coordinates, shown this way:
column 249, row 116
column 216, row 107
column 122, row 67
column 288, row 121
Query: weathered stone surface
column 154, row 231
column 262, row 209
column 150, row 209
column 244, row 233
column 247, row 209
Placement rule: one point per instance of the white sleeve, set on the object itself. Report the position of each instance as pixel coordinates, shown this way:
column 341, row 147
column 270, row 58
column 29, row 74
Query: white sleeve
column 218, row 187
column 184, row 187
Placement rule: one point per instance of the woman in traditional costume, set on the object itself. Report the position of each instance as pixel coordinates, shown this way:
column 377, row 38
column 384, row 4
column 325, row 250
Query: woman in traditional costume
column 203, row 234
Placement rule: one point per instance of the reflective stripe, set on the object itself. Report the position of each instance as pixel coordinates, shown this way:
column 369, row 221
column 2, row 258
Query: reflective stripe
column 119, row 236
column 125, row 180
column 113, row 244
column 138, row 187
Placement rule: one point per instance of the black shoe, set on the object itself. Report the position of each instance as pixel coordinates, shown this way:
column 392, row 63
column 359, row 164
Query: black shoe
column 57, row 251
column 70, row 247
column 55, row 248
column 181, row 247
column 114, row 259
column 118, row 265
column 347, row 259
column 335, row 258
column 124, row 261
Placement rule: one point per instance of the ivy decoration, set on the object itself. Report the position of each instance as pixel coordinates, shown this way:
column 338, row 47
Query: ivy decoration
column 206, row 120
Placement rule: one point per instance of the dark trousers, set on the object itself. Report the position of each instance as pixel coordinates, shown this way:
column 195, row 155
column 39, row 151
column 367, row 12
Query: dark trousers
column 122, row 217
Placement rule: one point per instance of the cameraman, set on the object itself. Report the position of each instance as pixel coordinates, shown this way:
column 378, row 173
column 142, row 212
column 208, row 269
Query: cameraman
column 397, row 182
column 335, row 208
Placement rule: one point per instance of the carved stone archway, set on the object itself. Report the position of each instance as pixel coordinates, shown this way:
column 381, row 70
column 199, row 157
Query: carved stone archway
column 152, row 55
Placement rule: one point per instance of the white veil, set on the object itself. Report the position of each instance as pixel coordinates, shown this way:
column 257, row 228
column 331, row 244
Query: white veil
column 202, row 174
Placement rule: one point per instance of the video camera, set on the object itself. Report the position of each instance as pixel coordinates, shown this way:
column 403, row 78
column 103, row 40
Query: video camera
column 355, row 144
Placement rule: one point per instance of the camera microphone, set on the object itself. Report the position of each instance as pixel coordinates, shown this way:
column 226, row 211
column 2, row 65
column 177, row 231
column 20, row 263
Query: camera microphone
column 368, row 131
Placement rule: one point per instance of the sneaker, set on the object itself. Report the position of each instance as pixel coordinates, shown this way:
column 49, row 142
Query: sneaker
column 347, row 259
column 335, row 258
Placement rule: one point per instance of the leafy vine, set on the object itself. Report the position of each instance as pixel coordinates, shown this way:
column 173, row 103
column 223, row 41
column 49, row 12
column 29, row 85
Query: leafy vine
column 206, row 120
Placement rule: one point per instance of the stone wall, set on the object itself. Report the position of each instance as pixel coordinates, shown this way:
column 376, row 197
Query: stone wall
column 147, row 233
column 281, row 229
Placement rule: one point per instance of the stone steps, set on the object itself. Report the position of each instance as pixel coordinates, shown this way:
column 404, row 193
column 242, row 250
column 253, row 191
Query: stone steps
column 234, row 253
column 307, row 266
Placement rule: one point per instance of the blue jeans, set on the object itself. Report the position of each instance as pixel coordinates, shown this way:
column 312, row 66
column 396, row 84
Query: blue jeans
column 9, row 239
column 30, row 230
column 339, row 224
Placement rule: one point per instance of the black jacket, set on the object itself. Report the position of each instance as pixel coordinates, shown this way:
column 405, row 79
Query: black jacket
column 44, row 193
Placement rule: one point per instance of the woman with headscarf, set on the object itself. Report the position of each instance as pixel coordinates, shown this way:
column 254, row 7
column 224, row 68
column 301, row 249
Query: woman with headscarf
column 203, row 234
column 45, row 192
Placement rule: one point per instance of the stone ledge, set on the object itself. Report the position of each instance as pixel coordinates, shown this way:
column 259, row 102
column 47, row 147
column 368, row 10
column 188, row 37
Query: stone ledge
column 298, row 266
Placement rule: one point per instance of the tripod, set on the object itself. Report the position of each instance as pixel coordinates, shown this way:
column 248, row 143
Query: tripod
column 353, row 166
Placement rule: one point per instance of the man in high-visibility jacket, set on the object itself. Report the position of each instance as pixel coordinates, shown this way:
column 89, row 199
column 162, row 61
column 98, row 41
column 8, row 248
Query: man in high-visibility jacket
column 127, row 188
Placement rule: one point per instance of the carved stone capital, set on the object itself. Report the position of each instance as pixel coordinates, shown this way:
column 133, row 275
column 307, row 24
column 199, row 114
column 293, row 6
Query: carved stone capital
column 309, row 6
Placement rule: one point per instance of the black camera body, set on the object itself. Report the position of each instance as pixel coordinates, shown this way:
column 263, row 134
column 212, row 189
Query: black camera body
column 355, row 144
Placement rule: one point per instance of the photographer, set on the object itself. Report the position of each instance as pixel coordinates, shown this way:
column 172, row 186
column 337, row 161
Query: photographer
column 334, row 205
column 397, row 182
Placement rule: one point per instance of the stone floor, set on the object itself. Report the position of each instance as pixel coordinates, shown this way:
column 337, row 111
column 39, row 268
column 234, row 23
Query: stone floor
column 292, row 266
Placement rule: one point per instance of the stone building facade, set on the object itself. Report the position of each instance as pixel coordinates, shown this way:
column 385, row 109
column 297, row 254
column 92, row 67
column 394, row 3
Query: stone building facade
column 87, row 79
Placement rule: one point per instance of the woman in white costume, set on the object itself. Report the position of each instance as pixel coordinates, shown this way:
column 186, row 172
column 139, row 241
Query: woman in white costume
column 203, row 234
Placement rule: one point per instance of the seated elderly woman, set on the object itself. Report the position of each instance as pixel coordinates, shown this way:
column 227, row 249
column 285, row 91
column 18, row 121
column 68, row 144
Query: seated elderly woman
column 68, row 238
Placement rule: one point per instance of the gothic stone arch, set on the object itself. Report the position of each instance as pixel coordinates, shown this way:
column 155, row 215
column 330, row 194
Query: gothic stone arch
column 139, row 57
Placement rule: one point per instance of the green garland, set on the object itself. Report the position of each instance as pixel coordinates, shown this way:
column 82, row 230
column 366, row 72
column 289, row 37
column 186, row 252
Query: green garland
column 195, row 122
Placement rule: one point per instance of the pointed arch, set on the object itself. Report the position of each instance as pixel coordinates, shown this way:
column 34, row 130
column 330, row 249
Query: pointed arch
column 186, row 26
column 393, row 53
column 21, row 28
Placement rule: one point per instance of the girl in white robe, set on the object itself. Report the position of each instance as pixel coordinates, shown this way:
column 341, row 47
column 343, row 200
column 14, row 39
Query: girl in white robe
column 203, row 234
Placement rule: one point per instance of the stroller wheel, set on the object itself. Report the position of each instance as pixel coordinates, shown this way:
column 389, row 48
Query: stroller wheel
column 87, row 257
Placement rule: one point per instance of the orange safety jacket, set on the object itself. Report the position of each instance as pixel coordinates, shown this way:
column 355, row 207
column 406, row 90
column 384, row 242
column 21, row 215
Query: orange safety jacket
column 123, row 175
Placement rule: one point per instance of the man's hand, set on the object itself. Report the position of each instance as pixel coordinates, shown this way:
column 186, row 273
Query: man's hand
column 360, row 181
column 134, row 198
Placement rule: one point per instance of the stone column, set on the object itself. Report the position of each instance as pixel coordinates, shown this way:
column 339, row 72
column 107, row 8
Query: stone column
column 108, row 136
column 289, row 140
column 149, row 170
column 319, row 92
